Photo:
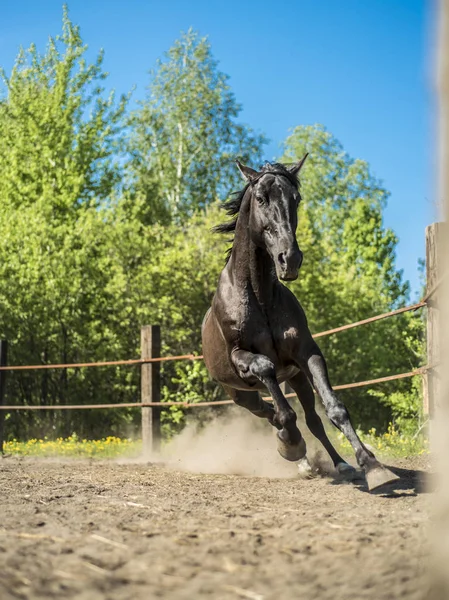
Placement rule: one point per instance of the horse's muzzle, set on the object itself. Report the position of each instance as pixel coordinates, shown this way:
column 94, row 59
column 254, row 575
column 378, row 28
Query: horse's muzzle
column 289, row 264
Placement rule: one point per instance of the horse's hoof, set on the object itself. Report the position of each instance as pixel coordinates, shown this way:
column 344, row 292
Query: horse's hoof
column 291, row 452
column 304, row 469
column 379, row 476
column 348, row 472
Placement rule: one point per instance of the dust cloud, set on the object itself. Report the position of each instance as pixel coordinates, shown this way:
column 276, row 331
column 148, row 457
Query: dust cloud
column 232, row 444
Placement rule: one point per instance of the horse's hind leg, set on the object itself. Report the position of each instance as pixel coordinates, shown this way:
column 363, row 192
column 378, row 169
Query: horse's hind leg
column 304, row 391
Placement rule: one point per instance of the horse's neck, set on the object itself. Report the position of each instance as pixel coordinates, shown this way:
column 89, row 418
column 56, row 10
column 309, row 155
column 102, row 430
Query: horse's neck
column 251, row 265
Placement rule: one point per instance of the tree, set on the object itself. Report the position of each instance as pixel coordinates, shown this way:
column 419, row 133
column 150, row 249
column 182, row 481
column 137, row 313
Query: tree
column 84, row 264
column 185, row 135
column 58, row 133
column 59, row 162
column 349, row 273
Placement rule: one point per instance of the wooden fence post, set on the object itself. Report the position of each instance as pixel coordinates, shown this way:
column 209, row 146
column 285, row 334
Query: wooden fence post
column 434, row 234
column 150, row 388
column 3, row 363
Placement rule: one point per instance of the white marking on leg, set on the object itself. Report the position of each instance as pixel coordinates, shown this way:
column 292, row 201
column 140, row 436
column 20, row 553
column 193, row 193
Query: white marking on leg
column 304, row 468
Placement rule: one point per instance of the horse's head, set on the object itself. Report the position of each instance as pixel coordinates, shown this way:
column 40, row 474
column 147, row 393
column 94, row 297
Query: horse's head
column 273, row 214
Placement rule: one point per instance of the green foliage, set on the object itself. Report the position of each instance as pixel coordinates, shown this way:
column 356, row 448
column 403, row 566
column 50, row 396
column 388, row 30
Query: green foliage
column 405, row 403
column 394, row 442
column 84, row 263
column 185, row 136
column 58, row 134
column 349, row 274
column 74, row 447
column 59, row 161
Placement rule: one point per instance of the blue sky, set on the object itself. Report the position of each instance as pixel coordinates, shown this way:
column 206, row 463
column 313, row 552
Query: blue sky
column 361, row 68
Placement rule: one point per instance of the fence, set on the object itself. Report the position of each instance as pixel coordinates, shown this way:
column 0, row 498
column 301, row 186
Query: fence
column 151, row 360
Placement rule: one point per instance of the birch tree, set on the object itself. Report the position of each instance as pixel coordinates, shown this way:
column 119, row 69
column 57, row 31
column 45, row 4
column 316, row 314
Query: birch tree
column 186, row 134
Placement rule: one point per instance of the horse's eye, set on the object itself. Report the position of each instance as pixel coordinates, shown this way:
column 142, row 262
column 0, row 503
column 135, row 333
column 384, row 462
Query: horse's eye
column 260, row 199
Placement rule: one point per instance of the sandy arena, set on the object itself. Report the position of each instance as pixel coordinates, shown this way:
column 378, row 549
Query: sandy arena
column 210, row 521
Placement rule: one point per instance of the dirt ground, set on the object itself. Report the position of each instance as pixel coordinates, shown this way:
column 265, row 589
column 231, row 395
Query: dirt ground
column 87, row 529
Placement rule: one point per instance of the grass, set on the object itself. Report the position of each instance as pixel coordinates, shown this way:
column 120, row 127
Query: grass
column 393, row 443
column 110, row 447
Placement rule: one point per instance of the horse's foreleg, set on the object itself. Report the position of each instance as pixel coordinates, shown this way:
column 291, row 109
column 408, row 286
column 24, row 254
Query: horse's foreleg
column 290, row 441
column 301, row 385
column 315, row 367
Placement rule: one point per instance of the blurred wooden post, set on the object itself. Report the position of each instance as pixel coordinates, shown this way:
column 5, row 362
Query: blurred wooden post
column 3, row 363
column 440, row 444
column 150, row 388
column 434, row 235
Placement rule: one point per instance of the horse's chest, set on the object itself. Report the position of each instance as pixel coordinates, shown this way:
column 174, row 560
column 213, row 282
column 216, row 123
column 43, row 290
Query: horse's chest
column 259, row 328
column 259, row 340
column 269, row 336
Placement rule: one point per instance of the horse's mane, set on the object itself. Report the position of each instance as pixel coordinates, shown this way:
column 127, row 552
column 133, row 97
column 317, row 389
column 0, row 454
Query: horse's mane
column 233, row 205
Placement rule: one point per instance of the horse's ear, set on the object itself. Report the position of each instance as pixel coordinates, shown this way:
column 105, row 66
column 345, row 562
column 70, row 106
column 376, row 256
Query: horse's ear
column 295, row 169
column 247, row 172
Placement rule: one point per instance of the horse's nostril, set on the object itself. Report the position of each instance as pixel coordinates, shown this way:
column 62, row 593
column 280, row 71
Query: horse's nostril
column 281, row 258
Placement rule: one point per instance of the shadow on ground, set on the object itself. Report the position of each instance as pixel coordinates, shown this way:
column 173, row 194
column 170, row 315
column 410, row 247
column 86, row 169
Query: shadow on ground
column 411, row 482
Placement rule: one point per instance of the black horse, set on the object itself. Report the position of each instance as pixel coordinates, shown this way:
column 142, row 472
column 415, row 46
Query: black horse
column 255, row 335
